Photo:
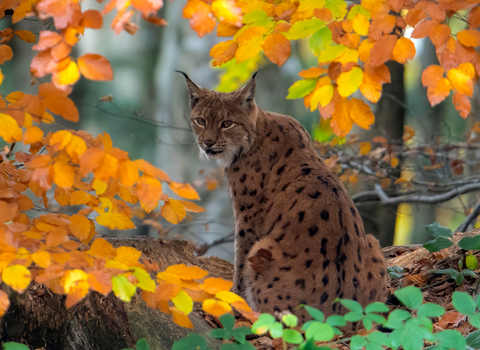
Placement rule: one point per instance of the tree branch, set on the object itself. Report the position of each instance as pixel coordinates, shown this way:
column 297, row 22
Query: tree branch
column 469, row 219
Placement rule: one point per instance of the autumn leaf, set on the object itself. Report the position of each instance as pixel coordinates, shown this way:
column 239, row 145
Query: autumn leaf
column 173, row 211
column 32, row 135
column 382, row 50
column 184, row 190
column 82, row 228
column 461, row 78
column 469, row 37
column 365, row 148
column 123, row 288
column 360, row 113
column 4, row 303
column 95, row 67
column 6, row 53
column 17, row 277
column 349, row 82
column 187, row 273
column 277, row 48
column 223, row 52
column 404, row 50
column 216, row 308
column 9, row 129
column 67, row 76
column 26, row 35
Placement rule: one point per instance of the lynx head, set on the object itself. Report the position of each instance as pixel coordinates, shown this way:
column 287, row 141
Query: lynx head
column 224, row 123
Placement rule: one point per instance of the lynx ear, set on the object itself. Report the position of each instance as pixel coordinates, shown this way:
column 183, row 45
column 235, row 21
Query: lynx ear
column 195, row 91
column 247, row 94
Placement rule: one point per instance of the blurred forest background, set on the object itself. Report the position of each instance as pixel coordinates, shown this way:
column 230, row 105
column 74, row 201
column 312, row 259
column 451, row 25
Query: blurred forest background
column 148, row 117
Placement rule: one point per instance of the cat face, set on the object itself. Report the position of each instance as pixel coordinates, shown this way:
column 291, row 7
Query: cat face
column 224, row 123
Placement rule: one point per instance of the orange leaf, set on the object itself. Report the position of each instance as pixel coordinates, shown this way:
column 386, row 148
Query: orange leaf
column 149, row 191
column 191, row 207
column 423, row 29
column 462, row 104
column 79, row 197
column 32, row 135
column 151, row 170
column 173, row 211
column 147, row 7
column 313, row 72
column 187, row 273
column 95, row 67
column 128, row 173
column 277, row 48
column 81, row 227
column 180, row 318
column 414, row 16
column 404, row 50
column 8, row 212
column 394, row 162
column 215, row 307
column 47, row 39
column 223, row 52
column 341, row 122
column 102, row 249
column 474, row 17
column 43, row 64
column 365, row 147
column 184, row 190
column 92, row 19
column 438, row 87
column 382, row 50
column 226, row 29
column 214, row 285
column 469, row 37
column 63, row 174
column 323, row 14
column 6, row 53
column 26, row 35
column 360, row 113
column 200, row 17
column 4, row 303
column 58, row 102
column 439, row 34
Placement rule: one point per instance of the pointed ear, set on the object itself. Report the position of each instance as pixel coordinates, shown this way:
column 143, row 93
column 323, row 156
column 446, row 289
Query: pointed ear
column 247, row 94
column 195, row 91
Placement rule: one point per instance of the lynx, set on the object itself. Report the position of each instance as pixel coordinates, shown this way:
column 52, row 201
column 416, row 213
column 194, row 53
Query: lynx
column 298, row 236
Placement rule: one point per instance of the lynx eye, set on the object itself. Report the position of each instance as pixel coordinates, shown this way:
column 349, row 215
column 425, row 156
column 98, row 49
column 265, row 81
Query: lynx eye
column 227, row 124
column 200, row 121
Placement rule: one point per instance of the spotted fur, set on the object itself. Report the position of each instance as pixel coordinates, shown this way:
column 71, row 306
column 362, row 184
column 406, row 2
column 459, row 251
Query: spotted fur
column 288, row 202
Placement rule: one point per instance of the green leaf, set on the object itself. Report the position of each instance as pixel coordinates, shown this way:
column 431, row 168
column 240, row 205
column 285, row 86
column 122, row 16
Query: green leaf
column 430, row 310
column 336, row 321
column 320, row 40
column 237, row 346
column 337, row 7
column 437, row 244
column 352, row 305
column 315, row 313
column 220, row 333
column 396, row 338
column 301, row 29
column 463, row 303
column 192, row 342
column 451, row 339
column 452, row 272
column 319, row 331
column 123, row 288
column 353, row 316
column 373, row 346
column 257, row 17
column 377, row 307
column 358, row 9
column 357, row 342
column 142, row 344
column 290, row 320
column 14, row 346
column 395, row 272
column 475, row 320
column 470, row 273
column 396, row 318
column 240, row 333
column 378, row 337
column 473, row 339
column 437, row 230
column 263, row 323
column 330, row 53
column 377, row 318
column 367, row 323
column 459, row 279
column 470, row 243
column 276, row 330
column 292, row 336
column 301, row 88
column 228, row 321
column 410, row 296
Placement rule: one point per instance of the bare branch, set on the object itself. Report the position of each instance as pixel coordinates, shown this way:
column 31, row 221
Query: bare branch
column 469, row 219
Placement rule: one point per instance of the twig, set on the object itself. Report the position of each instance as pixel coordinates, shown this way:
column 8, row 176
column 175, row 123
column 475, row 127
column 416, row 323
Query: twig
column 469, row 219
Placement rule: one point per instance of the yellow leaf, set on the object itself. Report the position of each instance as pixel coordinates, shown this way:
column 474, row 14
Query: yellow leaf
column 17, row 277
column 76, row 147
column 173, row 211
column 322, row 95
column 365, row 147
column 60, row 139
column 394, row 162
column 79, row 197
column 123, row 289
column 32, row 135
column 187, row 272
column 41, row 258
column 400, row 180
column 145, row 282
column 228, row 297
column 361, row 113
column 216, row 308
column 462, row 78
column 26, row 35
column 249, row 49
column 350, row 55
column 99, row 186
column 128, row 255
column 183, row 302
column 71, row 279
column 64, row 174
column 227, row 11
column 350, row 81
column 115, row 221
column 360, row 24
column 67, row 76
column 1, row 81
column 9, row 129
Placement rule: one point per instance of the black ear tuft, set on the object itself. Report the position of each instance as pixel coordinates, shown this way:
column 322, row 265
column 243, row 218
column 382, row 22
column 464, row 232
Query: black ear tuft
column 195, row 91
column 253, row 77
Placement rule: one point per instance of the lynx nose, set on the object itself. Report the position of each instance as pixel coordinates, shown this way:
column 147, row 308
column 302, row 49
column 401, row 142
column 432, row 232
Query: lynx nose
column 209, row 143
